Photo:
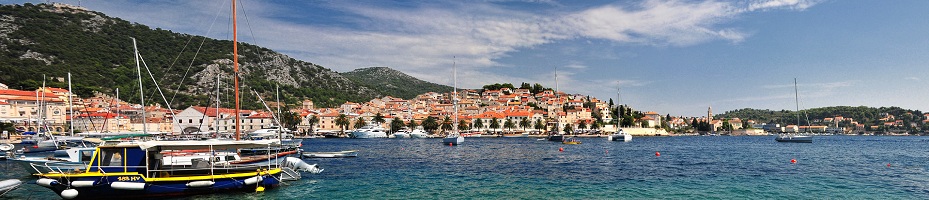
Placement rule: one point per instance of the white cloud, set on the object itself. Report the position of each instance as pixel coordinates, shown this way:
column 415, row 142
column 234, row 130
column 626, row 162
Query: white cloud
column 422, row 39
column 912, row 78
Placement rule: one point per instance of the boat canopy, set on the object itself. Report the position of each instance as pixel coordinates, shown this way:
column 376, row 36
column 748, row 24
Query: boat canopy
column 216, row 145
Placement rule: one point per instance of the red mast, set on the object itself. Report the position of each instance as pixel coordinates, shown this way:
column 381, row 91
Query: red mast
column 235, row 70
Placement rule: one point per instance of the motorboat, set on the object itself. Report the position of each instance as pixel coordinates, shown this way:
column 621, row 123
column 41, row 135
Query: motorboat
column 794, row 138
column 620, row 136
column 337, row 154
column 275, row 132
column 571, row 141
column 401, row 134
column 453, row 139
column 127, row 170
column 73, row 159
column 369, row 131
column 9, row 185
column 418, row 133
column 555, row 137
column 36, row 142
column 521, row 135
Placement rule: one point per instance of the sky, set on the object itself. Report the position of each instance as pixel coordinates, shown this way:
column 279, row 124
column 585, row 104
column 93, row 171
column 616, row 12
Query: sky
column 675, row 57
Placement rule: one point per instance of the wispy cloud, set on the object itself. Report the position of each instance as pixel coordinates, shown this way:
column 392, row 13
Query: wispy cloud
column 422, row 38
column 912, row 78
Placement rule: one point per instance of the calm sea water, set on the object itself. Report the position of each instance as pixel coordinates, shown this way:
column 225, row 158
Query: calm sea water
column 834, row 167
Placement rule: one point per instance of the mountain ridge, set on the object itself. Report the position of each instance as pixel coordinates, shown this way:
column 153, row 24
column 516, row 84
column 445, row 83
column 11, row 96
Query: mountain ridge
column 54, row 39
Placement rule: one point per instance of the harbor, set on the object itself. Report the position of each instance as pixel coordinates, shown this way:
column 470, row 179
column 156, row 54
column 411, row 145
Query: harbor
column 689, row 167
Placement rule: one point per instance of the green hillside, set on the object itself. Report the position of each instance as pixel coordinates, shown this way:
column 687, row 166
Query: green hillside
column 393, row 82
column 37, row 40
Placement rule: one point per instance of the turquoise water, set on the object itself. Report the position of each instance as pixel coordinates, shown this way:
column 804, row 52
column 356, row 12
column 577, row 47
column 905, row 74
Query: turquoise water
column 834, row 167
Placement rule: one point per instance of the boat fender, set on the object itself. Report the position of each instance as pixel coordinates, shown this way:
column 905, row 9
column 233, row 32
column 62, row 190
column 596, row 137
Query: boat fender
column 82, row 183
column 127, row 185
column 6, row 147
column 253, row 180
column 46, row 182
column 200, row 184
column 69, row 194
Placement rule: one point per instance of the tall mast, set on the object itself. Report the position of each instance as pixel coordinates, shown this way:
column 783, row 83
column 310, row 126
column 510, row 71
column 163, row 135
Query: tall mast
column 141, row 93
column 280, row 123
column 618, row 118
column 43, row 105
column 70, row 106
column 797, row 101
column 117, row 109
column 235, row 69
column 455, row 96
column 216, row 119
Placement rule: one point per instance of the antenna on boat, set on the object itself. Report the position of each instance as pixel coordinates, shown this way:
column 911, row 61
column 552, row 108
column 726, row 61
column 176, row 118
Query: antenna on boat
column 235, row 70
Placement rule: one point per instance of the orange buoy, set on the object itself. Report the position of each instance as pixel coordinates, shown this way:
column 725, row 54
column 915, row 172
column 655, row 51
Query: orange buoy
column 657, row 153
column 449, row 144
column 793, row 160
column 560, row 148
column 888, row 164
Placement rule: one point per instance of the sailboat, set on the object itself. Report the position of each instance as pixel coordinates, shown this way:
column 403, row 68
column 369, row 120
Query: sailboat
column 555, row 136
column 454, row 138
column 791, row 137
column 619, row 135
column 136, row 169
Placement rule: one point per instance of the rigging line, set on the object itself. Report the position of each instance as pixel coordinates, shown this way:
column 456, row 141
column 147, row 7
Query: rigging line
column 145, row 118
column 193, row 36
column 192, row 60
column 252, row 31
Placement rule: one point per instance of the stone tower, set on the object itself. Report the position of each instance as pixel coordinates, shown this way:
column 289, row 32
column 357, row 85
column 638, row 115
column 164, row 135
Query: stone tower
column 709, row 114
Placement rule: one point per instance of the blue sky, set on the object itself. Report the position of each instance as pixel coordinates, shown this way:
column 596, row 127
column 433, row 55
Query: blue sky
column 675, row 57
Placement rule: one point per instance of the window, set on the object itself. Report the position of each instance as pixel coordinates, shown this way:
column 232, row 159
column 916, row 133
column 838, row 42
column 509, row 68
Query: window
column 190, row 121
column 180, row 121
column 201, row 121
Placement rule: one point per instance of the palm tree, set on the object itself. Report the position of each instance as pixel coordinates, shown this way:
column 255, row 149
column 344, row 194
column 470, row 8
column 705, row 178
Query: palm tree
column 312, row 121
column 479, row 124
column 430, row 124
column 360, row 122
column 396, row 125
column 568, row 129
column 412, row 124
column 447, row 123
column 509, row 125
column 494, row 124
column 379, row 119
column 539, row 125
column 524, row 123
column 342, row 122
column 581, row 125
column 462, row 125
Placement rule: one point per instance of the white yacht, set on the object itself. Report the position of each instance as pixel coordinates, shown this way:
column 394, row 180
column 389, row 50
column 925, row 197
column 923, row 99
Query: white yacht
column 620, row 136
column 401, row 134
column 418, row 133
column 369, row 131
column 275, row 132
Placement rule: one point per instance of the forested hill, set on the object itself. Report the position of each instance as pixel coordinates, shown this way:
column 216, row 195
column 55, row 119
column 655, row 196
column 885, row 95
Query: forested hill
column 52, row 40
column 393, row 82
column 861, row 114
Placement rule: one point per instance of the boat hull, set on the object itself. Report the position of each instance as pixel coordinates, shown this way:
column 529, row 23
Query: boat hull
column 794, row 139
column 340, row 154
column 556, row 138
column 114, row 187
column 620, row 137
column 453, row 140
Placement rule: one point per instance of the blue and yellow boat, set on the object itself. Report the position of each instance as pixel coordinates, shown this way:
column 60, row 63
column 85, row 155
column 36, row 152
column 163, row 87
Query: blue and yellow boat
column 134, row 169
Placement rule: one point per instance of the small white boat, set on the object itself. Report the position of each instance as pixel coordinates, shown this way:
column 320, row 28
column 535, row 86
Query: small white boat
column 401, row 134
column 620, row 136
column 453, row 139
column 338, row 154
column 9, row 185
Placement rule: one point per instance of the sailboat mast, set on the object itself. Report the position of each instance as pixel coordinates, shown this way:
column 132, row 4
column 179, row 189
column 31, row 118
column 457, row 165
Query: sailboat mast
column 141, row 93
column 117, row 109
column 216, row 119
column 455, row 96
column 235, row 70
column 70, row 106
column 797, row 102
